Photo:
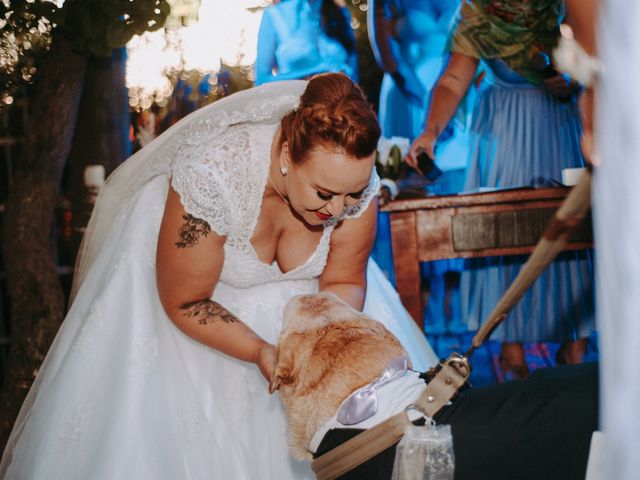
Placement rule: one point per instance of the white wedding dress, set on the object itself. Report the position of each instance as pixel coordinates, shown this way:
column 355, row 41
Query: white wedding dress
column 124, row 394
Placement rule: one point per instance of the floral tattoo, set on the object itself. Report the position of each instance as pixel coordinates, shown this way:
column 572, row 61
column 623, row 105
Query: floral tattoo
column 207, row 312
column 191, row 231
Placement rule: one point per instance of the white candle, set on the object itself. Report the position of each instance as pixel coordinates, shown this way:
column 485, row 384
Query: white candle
column 94, row 176
column 571, row 176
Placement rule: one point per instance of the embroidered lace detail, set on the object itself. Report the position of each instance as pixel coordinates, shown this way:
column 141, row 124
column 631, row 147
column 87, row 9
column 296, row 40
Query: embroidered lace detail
column 92, row 324
column 237, row 396
column 189, row 421
column 144, row 359
column 355, row 211
column 219, row 186
column 140, row 252
column 69, row 434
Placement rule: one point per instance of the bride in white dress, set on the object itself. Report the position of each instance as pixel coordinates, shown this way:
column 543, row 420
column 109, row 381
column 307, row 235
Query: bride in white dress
column 196, row 244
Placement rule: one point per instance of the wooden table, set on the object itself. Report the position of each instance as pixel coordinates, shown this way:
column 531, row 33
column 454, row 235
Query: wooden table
column 503, row 222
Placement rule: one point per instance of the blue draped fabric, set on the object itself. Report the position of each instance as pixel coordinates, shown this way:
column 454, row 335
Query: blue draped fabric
column 522, row 136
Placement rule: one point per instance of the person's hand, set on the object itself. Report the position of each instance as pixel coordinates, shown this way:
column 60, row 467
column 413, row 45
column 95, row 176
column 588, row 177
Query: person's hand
column 560, row 86
column 266, row 360
column 424, row 143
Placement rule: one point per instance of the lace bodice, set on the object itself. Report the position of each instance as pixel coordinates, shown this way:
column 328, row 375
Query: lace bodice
column 223, row 180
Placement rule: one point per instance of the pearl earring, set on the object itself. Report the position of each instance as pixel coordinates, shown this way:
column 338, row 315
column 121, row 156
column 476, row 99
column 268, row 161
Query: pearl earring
column 283, row 171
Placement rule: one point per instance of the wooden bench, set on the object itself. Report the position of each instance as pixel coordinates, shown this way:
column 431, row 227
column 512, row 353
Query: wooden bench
column 501, row 222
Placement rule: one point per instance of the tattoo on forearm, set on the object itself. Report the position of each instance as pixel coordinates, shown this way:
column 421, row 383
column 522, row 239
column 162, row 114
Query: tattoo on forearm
column 191, row 231
column 207, row 312
column 435, row 130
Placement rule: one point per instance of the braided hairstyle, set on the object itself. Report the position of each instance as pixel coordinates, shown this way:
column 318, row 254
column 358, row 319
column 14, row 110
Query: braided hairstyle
column 333, row 113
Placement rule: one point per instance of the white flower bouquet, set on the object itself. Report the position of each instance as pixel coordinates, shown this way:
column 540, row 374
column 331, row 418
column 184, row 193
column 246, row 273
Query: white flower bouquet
column 390, row 166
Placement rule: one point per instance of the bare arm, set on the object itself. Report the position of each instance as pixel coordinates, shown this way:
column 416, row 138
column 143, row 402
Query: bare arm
column 582, row 16
column 188, row 265
column 449, row 91
column 346, row 271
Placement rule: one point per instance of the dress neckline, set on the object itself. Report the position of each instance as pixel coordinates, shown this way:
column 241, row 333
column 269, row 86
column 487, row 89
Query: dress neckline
column 274, row 266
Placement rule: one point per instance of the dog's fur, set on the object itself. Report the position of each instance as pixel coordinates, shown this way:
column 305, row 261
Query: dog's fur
column 326, row 351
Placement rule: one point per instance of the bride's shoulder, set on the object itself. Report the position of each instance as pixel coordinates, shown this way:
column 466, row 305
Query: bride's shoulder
column 210, row 148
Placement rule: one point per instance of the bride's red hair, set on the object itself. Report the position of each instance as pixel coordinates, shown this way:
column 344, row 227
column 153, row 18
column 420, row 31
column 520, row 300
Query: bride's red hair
column 333, row 113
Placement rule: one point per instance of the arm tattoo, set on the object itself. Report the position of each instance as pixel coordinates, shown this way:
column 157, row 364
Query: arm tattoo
column 191, row 231
column 207, row 311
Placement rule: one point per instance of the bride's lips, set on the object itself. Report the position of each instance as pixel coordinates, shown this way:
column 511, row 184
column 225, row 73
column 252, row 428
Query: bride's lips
column 323, row 216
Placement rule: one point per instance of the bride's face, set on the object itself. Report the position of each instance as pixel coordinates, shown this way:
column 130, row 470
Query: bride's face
column 326, row 183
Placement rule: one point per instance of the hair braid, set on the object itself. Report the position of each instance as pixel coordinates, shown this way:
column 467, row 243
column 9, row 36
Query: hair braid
column 333, row 113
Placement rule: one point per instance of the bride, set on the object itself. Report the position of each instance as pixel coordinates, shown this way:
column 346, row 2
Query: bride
column 197, row 242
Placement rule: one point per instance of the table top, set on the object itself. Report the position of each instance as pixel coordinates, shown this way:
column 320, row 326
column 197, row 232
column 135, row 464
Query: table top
column 507, row 195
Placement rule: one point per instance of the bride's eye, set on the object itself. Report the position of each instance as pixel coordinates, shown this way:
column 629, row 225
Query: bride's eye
column 357, row 195
column 324, row 196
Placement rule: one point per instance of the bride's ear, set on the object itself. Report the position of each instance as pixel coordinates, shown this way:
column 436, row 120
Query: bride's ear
column 285, row 158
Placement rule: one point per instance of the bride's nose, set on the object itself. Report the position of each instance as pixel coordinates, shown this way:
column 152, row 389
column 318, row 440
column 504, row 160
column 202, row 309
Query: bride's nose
column 336, row 205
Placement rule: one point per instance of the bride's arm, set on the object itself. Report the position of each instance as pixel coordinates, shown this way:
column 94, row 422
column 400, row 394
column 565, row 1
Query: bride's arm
column 346, row 271
column 188, row 265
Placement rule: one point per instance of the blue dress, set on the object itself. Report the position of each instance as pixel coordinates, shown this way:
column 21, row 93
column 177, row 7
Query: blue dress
column 292, row 43
column 522, row 136
column 421, row 40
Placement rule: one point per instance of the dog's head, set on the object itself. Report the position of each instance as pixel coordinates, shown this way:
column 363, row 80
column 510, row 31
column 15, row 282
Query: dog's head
column 326, row 351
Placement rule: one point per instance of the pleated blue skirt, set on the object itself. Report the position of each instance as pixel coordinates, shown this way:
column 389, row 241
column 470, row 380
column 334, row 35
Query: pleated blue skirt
column 522, row 136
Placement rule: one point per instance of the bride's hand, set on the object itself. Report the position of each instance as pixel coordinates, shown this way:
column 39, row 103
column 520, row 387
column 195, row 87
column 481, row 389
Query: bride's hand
column 266, row 360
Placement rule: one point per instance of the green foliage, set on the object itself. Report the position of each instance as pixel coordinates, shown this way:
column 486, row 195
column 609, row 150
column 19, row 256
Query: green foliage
column 95, row 27
column 24, row 35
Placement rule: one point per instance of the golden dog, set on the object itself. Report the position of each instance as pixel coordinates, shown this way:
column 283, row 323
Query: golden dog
column 326, row 351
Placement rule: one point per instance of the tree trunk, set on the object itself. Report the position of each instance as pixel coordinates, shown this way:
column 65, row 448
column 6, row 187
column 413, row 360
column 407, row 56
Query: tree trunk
column 37, row 304
column 102, row 133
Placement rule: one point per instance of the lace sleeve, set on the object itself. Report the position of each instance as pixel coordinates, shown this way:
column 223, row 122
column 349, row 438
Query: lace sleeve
column 371, row 191
column 202, row 194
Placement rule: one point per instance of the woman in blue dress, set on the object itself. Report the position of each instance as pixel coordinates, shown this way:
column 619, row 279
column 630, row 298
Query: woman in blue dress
column 409, row 39
column 525, row 130
column 299, row 38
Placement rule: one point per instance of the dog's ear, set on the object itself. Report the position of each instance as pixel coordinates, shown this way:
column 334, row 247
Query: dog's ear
column 285, row 363
column 274, row 384
column 281, row 376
